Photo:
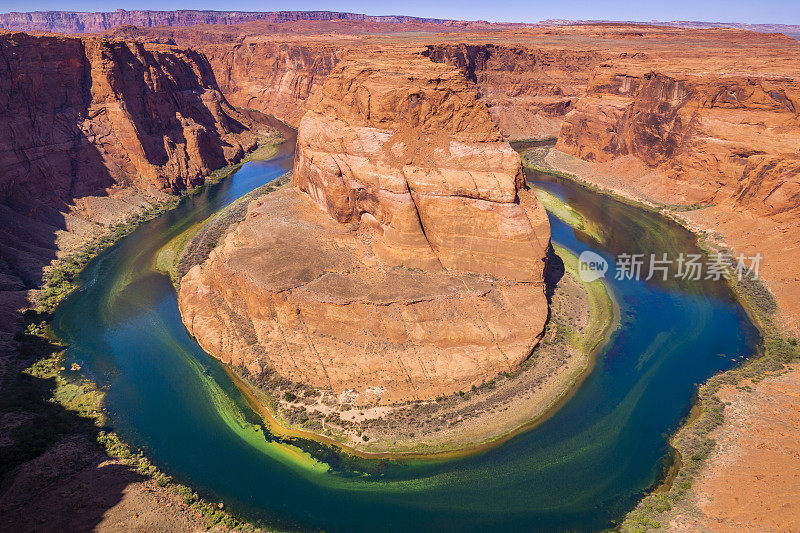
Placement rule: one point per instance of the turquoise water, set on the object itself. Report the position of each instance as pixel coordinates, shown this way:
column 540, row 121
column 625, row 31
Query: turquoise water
column 582, row 469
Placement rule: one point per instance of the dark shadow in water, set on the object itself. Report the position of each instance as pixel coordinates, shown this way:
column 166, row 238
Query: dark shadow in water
column 553, row 273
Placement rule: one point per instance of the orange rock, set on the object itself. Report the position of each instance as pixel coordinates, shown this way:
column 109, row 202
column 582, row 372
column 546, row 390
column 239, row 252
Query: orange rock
column 403, row 144
column 411, row 263
column 92, row 129
column 295, row 292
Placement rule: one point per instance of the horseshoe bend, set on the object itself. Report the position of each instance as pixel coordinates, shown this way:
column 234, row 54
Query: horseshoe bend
column 311, row 270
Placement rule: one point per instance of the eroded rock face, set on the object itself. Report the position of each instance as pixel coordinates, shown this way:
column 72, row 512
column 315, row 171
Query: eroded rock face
column 406, row 263
column 528, row 89
column 84, row 114
column 273, row 77
column 718, row 137
column 92, row 130
column 402, row 145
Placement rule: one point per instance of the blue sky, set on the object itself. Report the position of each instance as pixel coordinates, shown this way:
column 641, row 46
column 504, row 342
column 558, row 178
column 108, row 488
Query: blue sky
column 752, row 11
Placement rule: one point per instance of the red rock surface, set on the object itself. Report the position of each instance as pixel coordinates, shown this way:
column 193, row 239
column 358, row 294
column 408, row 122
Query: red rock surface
column 404, row 145
column 413, row 264
column 671, row 115
column 528, row 90
column 94, row 129
column 273, row 77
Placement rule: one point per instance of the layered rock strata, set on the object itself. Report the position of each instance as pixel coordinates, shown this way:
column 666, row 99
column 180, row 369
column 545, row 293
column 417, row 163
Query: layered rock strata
column 528, row 89
column 724, row 147
column 408, row 261
column 76, row 22
column 94, row 130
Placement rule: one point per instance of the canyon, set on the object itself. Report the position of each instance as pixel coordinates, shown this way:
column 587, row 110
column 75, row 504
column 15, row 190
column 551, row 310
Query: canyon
column 78, row 22
column 702, row 123
column 668, row 111
column 366, row 278
column 94, row 131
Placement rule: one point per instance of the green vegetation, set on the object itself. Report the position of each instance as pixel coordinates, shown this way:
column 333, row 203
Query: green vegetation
column 550, row 141
column 558, row 208
column 564, row 212
column 58, row 402
column 193, row 245
column 61, row 278
column 693, row 441
column 603, row 311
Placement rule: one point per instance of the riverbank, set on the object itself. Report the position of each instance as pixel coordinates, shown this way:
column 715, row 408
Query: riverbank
column 582, row 318
column 696, row 498
column 193, row 245
column 53, row 421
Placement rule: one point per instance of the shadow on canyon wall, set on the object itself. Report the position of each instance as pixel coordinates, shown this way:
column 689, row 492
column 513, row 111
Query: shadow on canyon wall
column 86, row 126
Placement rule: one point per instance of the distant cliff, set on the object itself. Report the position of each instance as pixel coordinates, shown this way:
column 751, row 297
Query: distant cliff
column 72, row 22
column 528, row 90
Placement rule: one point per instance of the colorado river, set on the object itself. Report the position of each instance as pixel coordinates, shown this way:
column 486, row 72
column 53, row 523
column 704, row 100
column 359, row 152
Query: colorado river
column 581, row 469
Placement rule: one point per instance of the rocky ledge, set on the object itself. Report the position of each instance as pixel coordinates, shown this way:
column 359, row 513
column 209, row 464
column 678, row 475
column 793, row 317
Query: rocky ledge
column 406, row 263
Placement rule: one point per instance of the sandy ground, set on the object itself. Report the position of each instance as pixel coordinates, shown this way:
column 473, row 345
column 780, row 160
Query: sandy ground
column 752, row 479
column 75, row 487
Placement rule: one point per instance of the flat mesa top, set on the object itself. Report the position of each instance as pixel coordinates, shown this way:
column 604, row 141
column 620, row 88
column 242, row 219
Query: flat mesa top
column 401, row 91
column 287, row 243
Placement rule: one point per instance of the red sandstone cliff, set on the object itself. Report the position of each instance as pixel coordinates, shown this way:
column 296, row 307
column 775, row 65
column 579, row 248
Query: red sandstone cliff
column 528, row 90
column 712, row 132
column 93, row 127
column 74, row 22
column 272, row 77
column 721, row 136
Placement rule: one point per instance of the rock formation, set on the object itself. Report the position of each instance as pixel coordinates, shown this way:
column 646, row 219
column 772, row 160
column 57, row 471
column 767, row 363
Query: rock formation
column 413, row 153
column 273, row 77
column 90, row 129
column 407, row 263
column 698, row 129
column 274, row 68
column 720, row 132
column 528, row 89
column 72, row 22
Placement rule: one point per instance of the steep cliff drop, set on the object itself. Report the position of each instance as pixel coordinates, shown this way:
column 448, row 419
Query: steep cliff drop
column 407, row 262
column 92, row 131
column 717, row 147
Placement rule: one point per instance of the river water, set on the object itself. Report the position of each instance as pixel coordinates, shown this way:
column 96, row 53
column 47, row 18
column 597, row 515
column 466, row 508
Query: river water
column 582, row 469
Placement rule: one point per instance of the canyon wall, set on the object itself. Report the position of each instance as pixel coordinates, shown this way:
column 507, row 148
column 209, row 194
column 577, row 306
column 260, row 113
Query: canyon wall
column 718, row 137
column 406, row 263
column 74, row 22
column 272, row 77
column 528, row 90
column 95, row 129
